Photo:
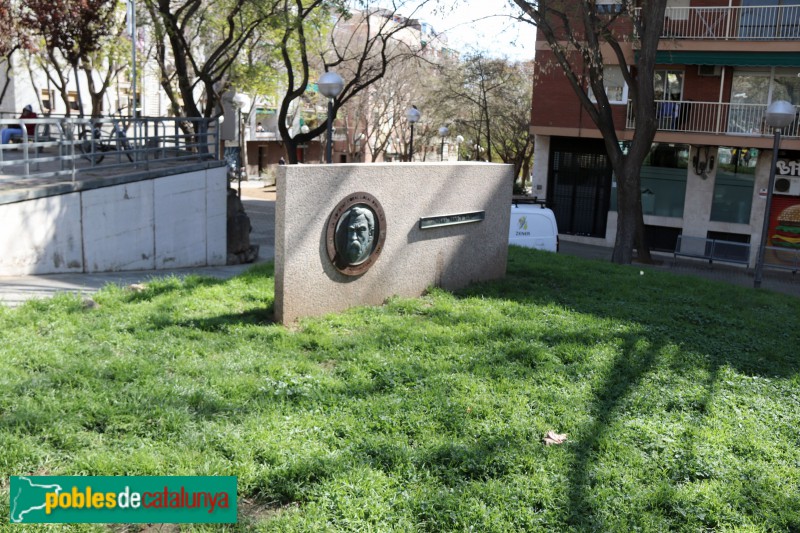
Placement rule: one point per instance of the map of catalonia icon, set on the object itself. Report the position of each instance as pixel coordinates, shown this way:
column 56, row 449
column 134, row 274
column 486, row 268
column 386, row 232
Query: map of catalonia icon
column 28, row 499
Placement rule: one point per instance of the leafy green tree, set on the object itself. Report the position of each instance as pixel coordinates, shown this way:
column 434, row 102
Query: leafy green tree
column 15, row 38
column 258, row 70
column 72, row 32
column 198, row 45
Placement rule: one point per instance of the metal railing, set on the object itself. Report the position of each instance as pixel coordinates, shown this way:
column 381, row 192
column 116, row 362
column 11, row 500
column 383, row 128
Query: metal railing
column 746, row 23
column 66, row 147
column 715, row 118
column 712, row 250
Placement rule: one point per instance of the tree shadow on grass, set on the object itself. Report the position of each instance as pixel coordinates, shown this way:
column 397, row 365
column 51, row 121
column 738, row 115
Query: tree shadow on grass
column 690, row 313
column 260, row 313
column 161, row 286
column 676, row 313
column 645, row 334
column 158, row 287
column 255, row 317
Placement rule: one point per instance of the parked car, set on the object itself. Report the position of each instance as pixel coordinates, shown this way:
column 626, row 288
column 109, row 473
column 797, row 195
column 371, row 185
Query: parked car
column 533, row 225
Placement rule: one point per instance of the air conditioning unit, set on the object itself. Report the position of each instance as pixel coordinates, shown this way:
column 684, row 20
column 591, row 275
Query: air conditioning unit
column 709, row 70
column 787, row 186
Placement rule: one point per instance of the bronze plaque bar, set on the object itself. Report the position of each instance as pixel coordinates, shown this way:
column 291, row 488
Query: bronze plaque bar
column 451, row 220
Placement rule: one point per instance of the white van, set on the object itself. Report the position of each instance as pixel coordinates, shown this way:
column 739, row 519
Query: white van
column 533, row 225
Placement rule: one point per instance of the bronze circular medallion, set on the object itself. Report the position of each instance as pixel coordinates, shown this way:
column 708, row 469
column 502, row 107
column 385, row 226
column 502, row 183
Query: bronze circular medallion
column 355, row 233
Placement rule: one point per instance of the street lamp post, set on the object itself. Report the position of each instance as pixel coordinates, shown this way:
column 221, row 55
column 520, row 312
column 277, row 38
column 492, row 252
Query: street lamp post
column 443, row 131
column 359, row 142
column 459, row 140
column 778, row 116
column 135, row 103
column 330, row 85
column 303, row 129
column 412, row 115
column 240, row 101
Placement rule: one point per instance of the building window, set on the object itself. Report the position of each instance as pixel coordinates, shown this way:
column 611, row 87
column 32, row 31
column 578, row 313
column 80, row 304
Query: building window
column 608, row 6
column 663, row 180
column 668, row 86
column 752, row 90
column 786, row 85
column 733, row 186
column 47, row 101
column 615, row 86
column 678, row 10
column 72, row 100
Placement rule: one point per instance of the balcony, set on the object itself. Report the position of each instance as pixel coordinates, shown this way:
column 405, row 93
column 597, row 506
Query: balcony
column 751, row 23
column 714, row 118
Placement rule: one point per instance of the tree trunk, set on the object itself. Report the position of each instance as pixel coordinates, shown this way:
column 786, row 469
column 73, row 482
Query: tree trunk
column 627, row 194
column 630, row 221
column 78, row 90
column 7, row 61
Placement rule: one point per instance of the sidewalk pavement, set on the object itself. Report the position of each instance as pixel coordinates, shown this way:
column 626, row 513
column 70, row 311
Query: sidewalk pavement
column 775, row 280
column 259, row 202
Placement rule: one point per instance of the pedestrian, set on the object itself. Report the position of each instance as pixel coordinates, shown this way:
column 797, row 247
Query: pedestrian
column 27, row 112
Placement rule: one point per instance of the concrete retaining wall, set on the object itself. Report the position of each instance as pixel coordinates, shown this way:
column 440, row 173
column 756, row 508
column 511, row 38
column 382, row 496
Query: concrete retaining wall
column 413, row 259
column 168, row 222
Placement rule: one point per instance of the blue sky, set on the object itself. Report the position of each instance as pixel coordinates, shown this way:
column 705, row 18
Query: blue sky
column 482, row 25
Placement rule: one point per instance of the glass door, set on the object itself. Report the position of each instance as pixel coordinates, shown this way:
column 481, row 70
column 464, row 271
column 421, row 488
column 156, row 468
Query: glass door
column 749, row 97
column 668, row 86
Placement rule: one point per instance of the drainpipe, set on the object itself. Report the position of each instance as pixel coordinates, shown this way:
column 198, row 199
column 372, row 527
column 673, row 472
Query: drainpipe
column 719, row 100
column 729, row 17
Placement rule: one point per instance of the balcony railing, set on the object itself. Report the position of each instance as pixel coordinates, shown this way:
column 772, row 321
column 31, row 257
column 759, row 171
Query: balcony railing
column 714, row 118
column 751, row 23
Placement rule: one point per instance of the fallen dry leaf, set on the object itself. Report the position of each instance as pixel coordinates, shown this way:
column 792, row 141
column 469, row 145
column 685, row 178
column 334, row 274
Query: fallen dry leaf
column 554, row 438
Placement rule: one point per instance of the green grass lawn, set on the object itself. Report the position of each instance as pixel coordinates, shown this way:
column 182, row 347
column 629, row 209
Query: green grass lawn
column 680, row 398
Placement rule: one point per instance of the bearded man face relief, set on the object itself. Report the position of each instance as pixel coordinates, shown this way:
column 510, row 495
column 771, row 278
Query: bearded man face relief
column 360, row 232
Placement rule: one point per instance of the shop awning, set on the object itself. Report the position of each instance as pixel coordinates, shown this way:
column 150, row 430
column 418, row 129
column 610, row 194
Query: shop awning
column 736, row 59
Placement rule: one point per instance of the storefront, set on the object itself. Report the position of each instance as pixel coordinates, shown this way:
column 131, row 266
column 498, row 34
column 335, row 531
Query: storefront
column 716, row 192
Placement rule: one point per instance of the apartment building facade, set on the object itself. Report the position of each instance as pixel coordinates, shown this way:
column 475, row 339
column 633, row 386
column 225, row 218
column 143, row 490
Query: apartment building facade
column 719, row 65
